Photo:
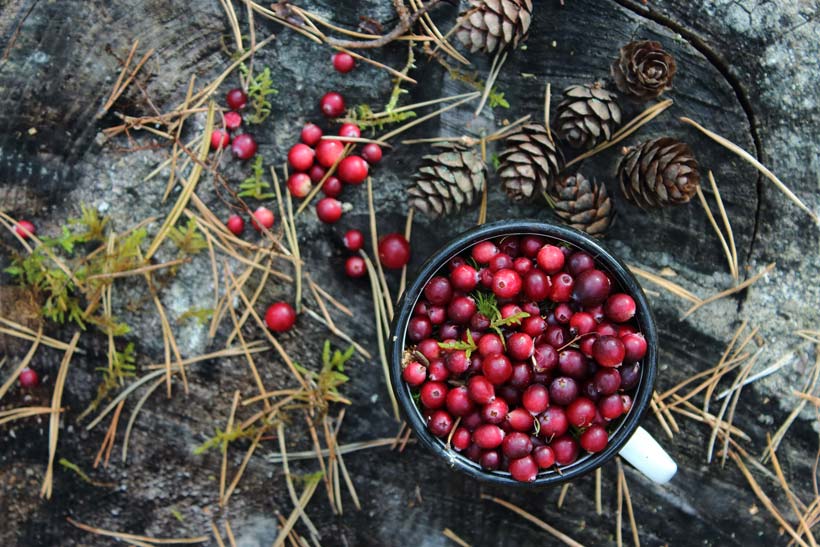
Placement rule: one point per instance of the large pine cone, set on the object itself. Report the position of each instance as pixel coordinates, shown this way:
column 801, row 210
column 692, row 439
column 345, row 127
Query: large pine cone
column 659, row 172
column 588, row 115
column 583, row 204
column 448, row 181
column 494, row 24
column 643, row 70
column 530, row 162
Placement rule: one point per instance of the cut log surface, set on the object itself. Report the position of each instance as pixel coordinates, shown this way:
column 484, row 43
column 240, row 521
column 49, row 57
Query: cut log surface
column 743, row 71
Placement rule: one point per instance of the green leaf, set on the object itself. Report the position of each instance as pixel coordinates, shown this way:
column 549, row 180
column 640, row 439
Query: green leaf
column 260, row 88
column 255, row 186
column 468, row 346
column 514, row 319
column 189, row 241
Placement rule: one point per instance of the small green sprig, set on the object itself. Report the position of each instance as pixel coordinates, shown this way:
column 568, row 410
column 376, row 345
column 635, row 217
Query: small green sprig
column 487, row 306
column 189, row 240
column 468, row 346
column 255, row 186
column 260, row 87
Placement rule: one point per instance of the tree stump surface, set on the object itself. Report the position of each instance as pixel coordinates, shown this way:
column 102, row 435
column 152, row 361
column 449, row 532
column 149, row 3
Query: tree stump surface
column 743, row 71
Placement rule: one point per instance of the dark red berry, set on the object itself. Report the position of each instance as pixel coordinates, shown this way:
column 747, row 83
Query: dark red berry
column 419, row 328
column 581, row 412
column 262, row 217
column 580, row 261
column 24, row 229
column 236, row 224
column 355, row 267
column 429, row 348
column 484, row 251
column 520, row 420
column 329, row 210
column 353, row 170
column 300, row 157
column 316, row 173
column 506, row 283
column 233, row 120
column 433, row 395
column 243, row 147
column 607, row 380
column 524, row 469
column 581, row 323
column 311, row 134
column 608, row 351
column 611, row 406
column 573, row 363
column 343, row 62
column 556, row 336
column 457, row 362
column 481, row 390
column 280, row 317
column 516, row 445
column 472, row 421
column 458, row 402
column 462, row 439
column 236, row 99
column 372, row 153
column 630, row 375
column 521, row 376
column 299, row 185
column 537, row 285
column 488, row 436
column 565, row 449
column 627, row 402
column 461, row 309
column 520, row 346
column 535, row 399
column 511, row 394
column 562, row 285
column 438, row 291
column 436, row 314
column 328, row 152
column 530, row 245
column 332, row 105
column 586, row 344
column 619, row 308
column 495, row 411
column 550, row 259
column 394, row 251
column 634, row 346
column 414, row 374
column 543, row 456
column 449, row 331
column 464, row 278
column 497, row 368
column 606, row 328
column 534, row 325
column 29, row 379
column 522, row 265
column 437, row 370
column 591, row 287
column 332, row 187
column 594, row 439
column 553, row 422
column 350, row 130
column 563, row 313
column 490, row 460
column 440, row 423
column 563, row 391
column 500, row 262
column 546, row 358
column 220, row 139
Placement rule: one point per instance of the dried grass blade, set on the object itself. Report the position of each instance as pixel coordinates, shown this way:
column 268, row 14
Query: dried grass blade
column 408, row 231
column 535, row 520
column 217, row 535
column 598, row 508
column 280, row 435
column 726, row 224
column 793, row 500
column 674, row 288
column 374, row 239
column 633, row 525
column 242, row 467
column 349, row 448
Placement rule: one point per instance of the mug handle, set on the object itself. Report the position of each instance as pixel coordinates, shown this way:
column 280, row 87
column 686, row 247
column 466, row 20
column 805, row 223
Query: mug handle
column 647, row 456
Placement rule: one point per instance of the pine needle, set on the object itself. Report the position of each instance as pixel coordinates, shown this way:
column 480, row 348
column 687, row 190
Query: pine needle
column 23, row 364
column 408, row 231
column 297, row 510
column 134, row 413
column 498, row 62
column 21, row 331
column 729, row 257
column 793, row 500
column 224, row 468
column 399, row 130
column 280, row 435
column 374, row 239
column 562, row 496
column 673, row 288
column 728, row 292
column 598, row 508
column 535, row 520
column 452, row 536
column 132, row 537
column 628, row 499
column 275, row 457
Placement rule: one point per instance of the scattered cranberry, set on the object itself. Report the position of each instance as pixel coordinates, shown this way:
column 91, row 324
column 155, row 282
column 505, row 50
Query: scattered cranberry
column 280, row 317
column 233, row 120
column 220, row 139
column 243, row 147
column 311, row 134
column 24, row 229
column 329, row 210
column 343, row 62
column 236, row 225
column 262, row 217
column 299, row 185
column 350, row 130
column 332, row 105
column 353, row 240
column 328, row 152
column 355, row 267
column 394, row 251
column 332, row 187
column 236, row 99
column 372, row 153
column 29, row 379
column 301, row 156
column 353, row 170
column 316, row 173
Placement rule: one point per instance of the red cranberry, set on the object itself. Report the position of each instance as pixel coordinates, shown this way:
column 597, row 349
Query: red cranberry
column 597, row 312
column 343, row 62
column 394, row 251
column 488, row 436
column 299, row 185
column 414, row 374
column 29, row 379
column 328, row 152
column 332, row 105
column 472, row 420
column 429, row 348
column 520, row 346
column 316, row 173
column 457, row 362
column 440, row 423
column 485, row 277
column 606, row 329
column 586, row 345
column 353, row 170
column 591, row 287
column 353, row 240
column 311, row 134
column 522, row 265
column 630, row 375
column 464, row 278
column 372, row 153
column 355, row 267
column 332, row 187
column 530, row 245
column 243, row 147
column 624, row 329
column 24, row 229
column 565, row 449
column 580, row 261
column 220, row 139
column 555, row 336
column 449, row 330
column 627, row 402
column 510, row 246
column 506, row 283
column 581, row 412
column 572, row 363
column 497, row 368
column 563, row 391
column 280, row 317
column 537, row 285
column 535, row 399
column 511, row 394
column 553, row 422
column 534, row 325
column 608, row 351
column 516, row 445
column 581, row 323
column 233, row 120
column 461, row 309
column 438, row 290
column 520, row 420
column 594, row 439
column 350, row 130
column 524, row 469
column 590, row 391
column 433, row 395
column 634, row 346
column 301, row 156
column 607, row 380
column 437, row 371
column 508, row 311
column 480, row 390
column 420, row 308
column 562, row 313
column 329, row 210
column 458, row 402
column 236, row 99
column 611, row 407
column 262, row 217
column 236, row 224
column 437, row 314
column 521, row 376
column 550, row 259
column 500, row 261
column 419, row 328
column 546, row 358
column 562, row 285
column 544, row 457
column 495, row 411
column 484, row 251
column 475, row 364
column 462, row 439
column 490, row 460
column 619, row 308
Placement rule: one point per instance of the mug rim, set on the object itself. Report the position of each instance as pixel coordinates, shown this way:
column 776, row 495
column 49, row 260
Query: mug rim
column 611, row 263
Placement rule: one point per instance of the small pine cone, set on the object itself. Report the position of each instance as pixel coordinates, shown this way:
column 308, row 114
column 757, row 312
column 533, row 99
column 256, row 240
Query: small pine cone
column 643, row 70
column 588, row 115
column 659, row 172
column 583, row 204
column 494, row 24
column 448, row 181
column 530, row 162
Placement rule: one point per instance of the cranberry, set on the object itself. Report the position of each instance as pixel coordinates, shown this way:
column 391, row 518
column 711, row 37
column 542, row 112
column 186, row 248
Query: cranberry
column 29, row 379
column 562, row 285
column 420, row 308
column 530, row 245
column 220, row 139
column 329, row 210
column 597, row 312
column 565, row 449
column 243, row 147
column 510, row 246
column 353, row 170
column 624, row 329
column 520, row 420
column 630, row 375
column 353, row 240
column 311, row 134
column 586, row 345
column 627, row 402
column 510, row 310
column 543, row 456
column 516, row 445
column 488, row 436
column 634, row 346
column 233, row 120
column 520, row 346
column 350, row 130
column 606, row 329
column 537, row 285
column 332, row 105
column 495, row 411
column 462, row 439
column 550, row 259
column 556, row 336
column 355, row 267
column 484, row 251
column 607, row 380
column 328, row 152
column 299, row 185
column 419, row 328
column 461, row 309
column 24, row 229
column 581, row 323
column 497, row 368
column 534, row 325
column 236, row 99
column 455, row 262
column 429, row 348
column 581, row 412
column 511, row 394
column 464, row 278
column 563, row 391
column 608, row 351
column 611, row 406
column 562, row 313
column 280, row 317
column 535, row 399
column 457, row 362
column 472, row 420
column 433, row 395
column 619, row 308
column 524, row 469
column 522, row 265
column 440, row 423
column 490, row 460
column 553, row 422
column 521, row 376
column 475, row 364
column 437, row 371
column 236, row 224
column 449, row 330
column 458, row 402
column 301, row 156
column 414, row 374
column 594, row 439
column 485, row 277
column 591, row 287
column 506, row 283
column 480, row 390
column 436, row 314
column 590, row 391
column 573, row 363
column 372, row 153
column 580, row 261
column 394, row 251
column 500, row 262
column 262, row 217
column 316, row 173
column 546, row 358
column 438, row 290
column 332, row 187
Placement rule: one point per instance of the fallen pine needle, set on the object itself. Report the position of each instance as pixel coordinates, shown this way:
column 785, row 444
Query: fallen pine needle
column 535, row 520
column 674, row 288
column 452, row 536
column 133, row 537
column 752, row 280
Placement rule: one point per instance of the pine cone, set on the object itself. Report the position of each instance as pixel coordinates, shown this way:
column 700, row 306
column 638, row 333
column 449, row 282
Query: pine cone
column 659, row 172
column 643, row 70
column 530, row 162
column 583, row 204
column 448, row 181
column 587, row 115
column 494, row 24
